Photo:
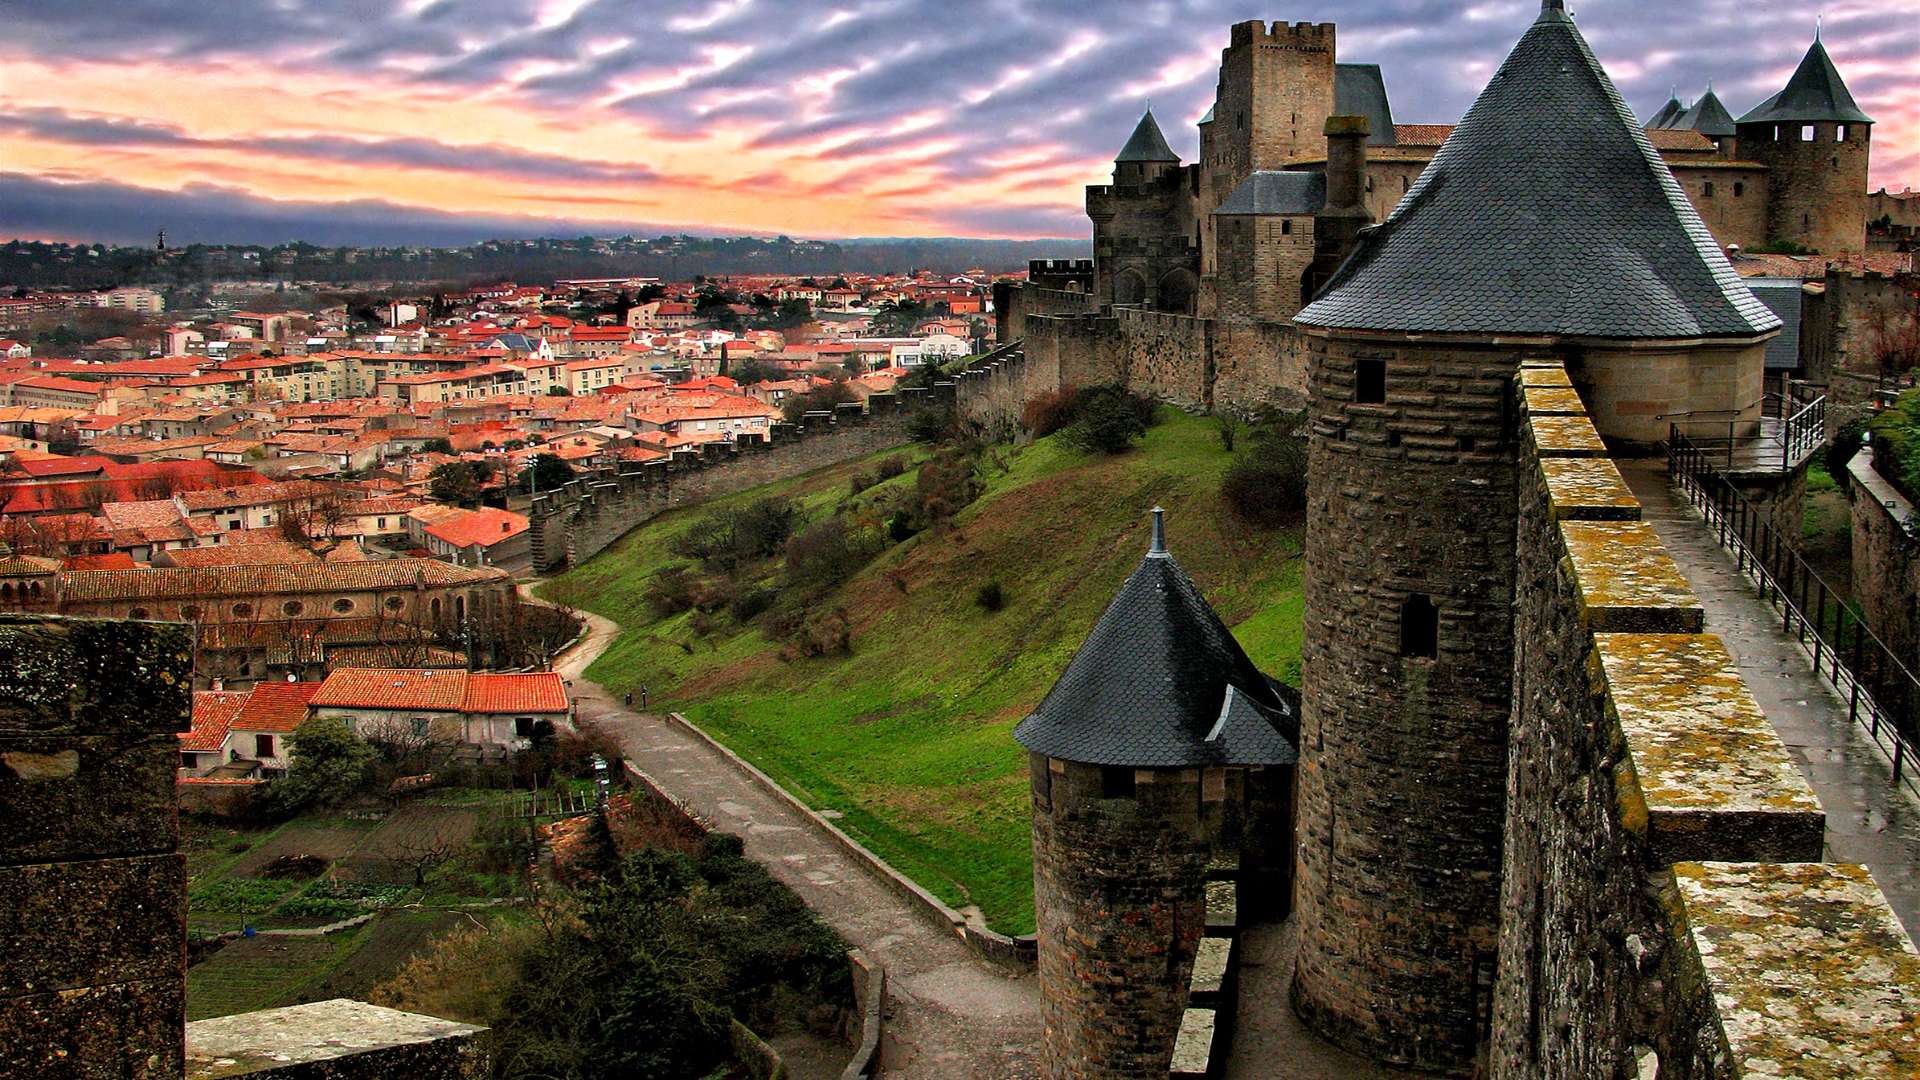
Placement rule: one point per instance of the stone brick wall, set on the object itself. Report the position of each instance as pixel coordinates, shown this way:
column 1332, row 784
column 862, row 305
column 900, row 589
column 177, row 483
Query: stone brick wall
column 1735, row 209
column 1886, row 559
column 992, row 395
column 1262, row 262
column 1862, row 317
column 1636, row 391
column 1402, row 757
column 591, row 512
column 1654, row 819
column 93, row 886
column 1120, row 898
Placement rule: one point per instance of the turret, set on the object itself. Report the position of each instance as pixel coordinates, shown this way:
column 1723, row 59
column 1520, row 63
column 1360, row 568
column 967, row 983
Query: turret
column 1815, row 143
column 1146, row 157
column 1146, row 759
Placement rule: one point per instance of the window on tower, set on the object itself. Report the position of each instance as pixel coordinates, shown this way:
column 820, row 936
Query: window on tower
column 1709, row 189
column 1419, row 627
column 1116, row 782
column 1370, row 382
column 1806, row 133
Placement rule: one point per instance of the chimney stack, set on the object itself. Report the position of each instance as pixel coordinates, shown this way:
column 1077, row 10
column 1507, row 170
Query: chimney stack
column 1336, row 228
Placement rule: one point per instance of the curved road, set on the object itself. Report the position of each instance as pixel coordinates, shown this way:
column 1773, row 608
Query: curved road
column 950, row 1014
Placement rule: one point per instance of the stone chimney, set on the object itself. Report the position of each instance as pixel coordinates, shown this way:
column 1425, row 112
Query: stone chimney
column 1336, row 227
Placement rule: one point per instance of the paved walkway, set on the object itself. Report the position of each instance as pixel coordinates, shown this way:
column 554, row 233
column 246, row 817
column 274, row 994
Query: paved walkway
column 950, row 1014
column 1269, row 1040
column 1870, row 819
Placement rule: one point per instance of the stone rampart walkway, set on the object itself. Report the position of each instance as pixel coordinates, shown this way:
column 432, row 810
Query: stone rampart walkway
column 1870, row 819
column 950, row 1014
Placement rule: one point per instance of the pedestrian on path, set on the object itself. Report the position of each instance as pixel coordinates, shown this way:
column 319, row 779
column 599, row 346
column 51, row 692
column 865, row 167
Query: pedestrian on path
column 643, row 697
column 629, row 699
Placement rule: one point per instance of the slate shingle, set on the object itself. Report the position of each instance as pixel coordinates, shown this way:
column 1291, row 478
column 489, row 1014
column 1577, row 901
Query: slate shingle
column 1269, row 192
column 1546, row 211
column 1161, row 683
column 1146, row 143
column 1814, row 94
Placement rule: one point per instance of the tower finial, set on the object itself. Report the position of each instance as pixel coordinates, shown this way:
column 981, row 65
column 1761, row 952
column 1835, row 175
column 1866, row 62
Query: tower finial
column 1159, row 548
column 1816, row 26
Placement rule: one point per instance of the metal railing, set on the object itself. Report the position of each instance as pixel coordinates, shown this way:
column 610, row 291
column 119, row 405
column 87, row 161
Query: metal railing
column 1881, row 693
column 1798, row 425
column 1803, row 432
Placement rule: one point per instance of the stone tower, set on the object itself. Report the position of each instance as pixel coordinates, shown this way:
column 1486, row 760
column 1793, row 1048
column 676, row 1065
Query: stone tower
column 1146, row 756
column 1546, row 224
column 1145, row 250
column 1814, row 141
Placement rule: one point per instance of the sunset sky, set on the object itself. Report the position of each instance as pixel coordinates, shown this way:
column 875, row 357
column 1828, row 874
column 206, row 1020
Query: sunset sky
column 448, row 121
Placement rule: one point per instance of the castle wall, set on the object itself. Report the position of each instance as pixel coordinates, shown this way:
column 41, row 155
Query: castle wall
column 1403, row 736
column 1119, row 894
column 1817, row 188
column 590, row 512
column 1862, row 317
column 1655, row 820
column 1886, row 559
column 1731, row 199
column 94, row 888
column 1262, row 261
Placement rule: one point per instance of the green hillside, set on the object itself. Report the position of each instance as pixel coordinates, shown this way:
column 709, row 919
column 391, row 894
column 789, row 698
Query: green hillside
column 910, row 736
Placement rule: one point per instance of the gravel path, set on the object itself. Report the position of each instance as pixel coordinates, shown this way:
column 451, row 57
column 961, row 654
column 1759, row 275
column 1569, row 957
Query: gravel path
column 950, row 1014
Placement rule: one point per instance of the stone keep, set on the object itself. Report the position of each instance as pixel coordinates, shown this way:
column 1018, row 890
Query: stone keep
column 1145, row 755
column 1814, row 141
column 1547, row 223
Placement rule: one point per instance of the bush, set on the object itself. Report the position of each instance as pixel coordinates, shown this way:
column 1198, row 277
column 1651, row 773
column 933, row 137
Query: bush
column 947, row 484
column 860, row 482
column 830, row 634
column 1051, row 411
column 991, row 597
column 1896, row 436
column 827, row 553
column 930, row 425
column 1109, row 420
column 1846, row 443
column 900, row 526
column 1267, row 485
column 733, row 536
column 891, row 467
column 750, row 602
column 671, row 590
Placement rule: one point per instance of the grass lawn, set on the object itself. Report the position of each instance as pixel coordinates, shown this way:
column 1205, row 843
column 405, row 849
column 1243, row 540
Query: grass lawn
column 910, row 737
column 1827, row 530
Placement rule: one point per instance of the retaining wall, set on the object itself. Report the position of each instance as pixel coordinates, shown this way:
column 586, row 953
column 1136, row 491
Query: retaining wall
column 1886, row 559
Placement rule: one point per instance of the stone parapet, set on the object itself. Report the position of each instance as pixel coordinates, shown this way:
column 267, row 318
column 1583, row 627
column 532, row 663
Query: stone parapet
column 1663, row 904
column 334, row 1040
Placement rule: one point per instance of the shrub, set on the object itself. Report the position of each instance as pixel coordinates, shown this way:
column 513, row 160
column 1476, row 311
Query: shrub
column 1108, row 419
column 671, row 590
column 1050, row 412
column 733, row 536
column 930, row 425
column 860, row 482
column 1846, row 443
column 900, row 526
column 829, row 634
column 1267, row 485
column 891, row 467
column 750, row 602
column 1896, row 437
column 991, row 597
column 947, row 484
column 827, row 553
column 327, row 765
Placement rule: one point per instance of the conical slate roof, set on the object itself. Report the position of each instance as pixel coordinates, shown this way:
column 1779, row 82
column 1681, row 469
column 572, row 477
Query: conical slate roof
column 1816, row 93
column 1161, row 683
column 1146, row 143
column 1667, row 114
column 1546, row 211
column 1707, row 116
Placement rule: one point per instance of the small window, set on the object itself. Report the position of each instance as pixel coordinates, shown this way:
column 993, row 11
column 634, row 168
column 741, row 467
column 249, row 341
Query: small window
column 1806, row 133
column 393, row 603
column 1403, row 185
column 1370, row 382
column 523, row 727
column 343, row 605
column 191, row 612
column 1369, row 185
column 419, row 726
column 263, row 746
column 1840, row 133
column 243, row 611
column 293, row 607
column 1286, row 228
column 1739, row 189
column 1419, row 627
column 137, row 613
column 1709, row 189
column 1116, row 782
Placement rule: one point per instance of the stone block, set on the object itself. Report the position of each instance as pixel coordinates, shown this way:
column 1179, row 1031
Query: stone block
column 1193, row 1049
column 127, row 1031
column 1626, row 581
column 1588, row 489
column 1711, row 778
column 1565, row 436
column 1809, row 970
column 63, row 676
column 76, row 924
column 334, row 1040
column 87, row 796
column 1211, row 963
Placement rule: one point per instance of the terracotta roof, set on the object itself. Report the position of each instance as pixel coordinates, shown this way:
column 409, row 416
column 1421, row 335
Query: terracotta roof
column 186, row 583
column 247, row 554
column 484, row 527
column 274, row 707
column 112, row 560
column 213, row 713
column 442, row 691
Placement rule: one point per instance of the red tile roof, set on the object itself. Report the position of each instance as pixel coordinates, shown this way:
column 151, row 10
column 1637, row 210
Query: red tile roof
column 213, row 713
column 442, row 691
column 275, row 707
column 484, row 527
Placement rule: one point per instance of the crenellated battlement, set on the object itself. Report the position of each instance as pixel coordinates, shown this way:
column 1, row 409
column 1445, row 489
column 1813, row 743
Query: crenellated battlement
column 1306, row 36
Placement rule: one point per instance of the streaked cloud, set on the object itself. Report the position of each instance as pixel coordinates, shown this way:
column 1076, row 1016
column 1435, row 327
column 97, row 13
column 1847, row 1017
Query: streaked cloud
column 845, row 117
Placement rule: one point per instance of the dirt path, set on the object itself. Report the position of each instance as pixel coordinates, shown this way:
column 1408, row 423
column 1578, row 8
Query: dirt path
column 950, row 1013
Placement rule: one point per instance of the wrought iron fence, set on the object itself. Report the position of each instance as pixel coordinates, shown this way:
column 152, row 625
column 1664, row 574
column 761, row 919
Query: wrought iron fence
column 1881, row 693
column 1803, row 432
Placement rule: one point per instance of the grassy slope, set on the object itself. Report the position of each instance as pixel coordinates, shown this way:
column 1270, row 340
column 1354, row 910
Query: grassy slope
column 910, row 737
